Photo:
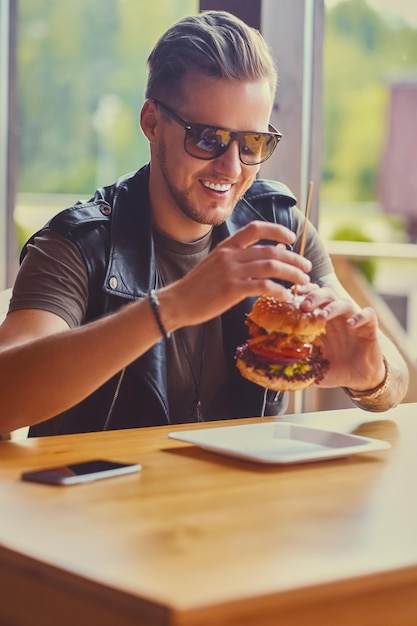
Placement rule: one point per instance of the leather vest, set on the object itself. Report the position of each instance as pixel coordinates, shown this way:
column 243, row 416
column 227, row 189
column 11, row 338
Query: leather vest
column 114, row 236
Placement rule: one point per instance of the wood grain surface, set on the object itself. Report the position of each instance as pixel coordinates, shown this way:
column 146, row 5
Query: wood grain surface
column 197, row 538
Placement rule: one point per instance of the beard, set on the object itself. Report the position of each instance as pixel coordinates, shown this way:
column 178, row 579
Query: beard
column 211, row 215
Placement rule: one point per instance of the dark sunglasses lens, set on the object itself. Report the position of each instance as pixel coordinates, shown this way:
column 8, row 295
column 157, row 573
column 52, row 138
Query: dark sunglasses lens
column 206, row 143
column 257, row 147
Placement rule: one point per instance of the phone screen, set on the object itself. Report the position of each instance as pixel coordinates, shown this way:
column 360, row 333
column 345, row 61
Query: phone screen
column 81, row 472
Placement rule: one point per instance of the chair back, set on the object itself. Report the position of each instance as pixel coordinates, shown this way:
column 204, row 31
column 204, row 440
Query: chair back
column 5, row 296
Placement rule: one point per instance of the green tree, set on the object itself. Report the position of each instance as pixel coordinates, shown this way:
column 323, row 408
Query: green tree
column 81, row 72
column 361, row 53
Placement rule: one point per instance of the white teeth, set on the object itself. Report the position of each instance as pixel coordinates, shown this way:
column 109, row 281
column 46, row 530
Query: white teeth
column 216, row 186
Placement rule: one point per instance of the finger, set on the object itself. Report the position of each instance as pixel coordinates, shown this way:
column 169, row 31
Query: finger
column 303, row 290
column 275, row 253
column 312, row 296
column 266, row 262
column 272, row 269
column 337, row 308
column 363, row 317
column 258, row 230
column 264, row 286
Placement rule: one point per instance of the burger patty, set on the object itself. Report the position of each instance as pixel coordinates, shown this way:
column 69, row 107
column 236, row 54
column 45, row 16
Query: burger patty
column 279, row 341
column 314, row 366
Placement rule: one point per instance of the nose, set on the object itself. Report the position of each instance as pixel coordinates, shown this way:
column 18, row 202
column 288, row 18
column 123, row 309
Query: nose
column 229, row 163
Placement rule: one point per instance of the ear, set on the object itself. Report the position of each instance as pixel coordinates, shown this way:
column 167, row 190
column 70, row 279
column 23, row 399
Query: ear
column 149, row 117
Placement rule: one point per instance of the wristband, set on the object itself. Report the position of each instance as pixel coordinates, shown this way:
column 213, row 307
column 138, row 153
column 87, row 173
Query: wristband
column 154, row 302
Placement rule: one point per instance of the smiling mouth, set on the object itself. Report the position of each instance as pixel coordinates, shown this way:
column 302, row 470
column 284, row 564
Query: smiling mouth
column 216, row 186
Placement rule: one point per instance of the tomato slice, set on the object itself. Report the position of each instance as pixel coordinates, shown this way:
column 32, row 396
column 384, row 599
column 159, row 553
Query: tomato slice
column 287, row 353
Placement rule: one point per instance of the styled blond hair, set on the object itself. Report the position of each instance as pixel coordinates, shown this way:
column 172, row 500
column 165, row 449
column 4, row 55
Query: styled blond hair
column 215, row 43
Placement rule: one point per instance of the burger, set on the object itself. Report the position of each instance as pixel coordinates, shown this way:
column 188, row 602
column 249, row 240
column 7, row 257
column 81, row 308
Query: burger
column 284, row 348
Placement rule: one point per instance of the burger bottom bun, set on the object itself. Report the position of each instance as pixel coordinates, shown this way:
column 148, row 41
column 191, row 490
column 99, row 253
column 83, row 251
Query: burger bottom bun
column 276, row 384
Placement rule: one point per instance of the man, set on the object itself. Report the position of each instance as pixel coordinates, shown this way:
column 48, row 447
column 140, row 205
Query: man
column 128, row 309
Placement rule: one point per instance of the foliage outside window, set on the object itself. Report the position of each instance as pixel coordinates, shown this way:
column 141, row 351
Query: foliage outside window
column 82, row 72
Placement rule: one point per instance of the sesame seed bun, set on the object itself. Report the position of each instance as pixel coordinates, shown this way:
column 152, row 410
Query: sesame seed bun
column 286, row 317
column 284, row 350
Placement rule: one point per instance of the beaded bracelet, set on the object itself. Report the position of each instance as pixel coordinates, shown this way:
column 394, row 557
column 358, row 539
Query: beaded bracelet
column 153, row 299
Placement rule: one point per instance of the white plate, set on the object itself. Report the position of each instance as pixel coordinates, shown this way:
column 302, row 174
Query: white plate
column 279, row 442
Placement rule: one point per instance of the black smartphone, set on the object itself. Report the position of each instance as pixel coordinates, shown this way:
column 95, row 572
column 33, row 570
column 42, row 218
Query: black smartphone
column 80, row 472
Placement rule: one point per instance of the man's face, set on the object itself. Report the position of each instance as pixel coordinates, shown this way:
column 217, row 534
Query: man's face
column 193, row 191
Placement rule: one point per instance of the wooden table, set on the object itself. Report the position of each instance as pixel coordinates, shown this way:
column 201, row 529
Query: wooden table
column 200, row 539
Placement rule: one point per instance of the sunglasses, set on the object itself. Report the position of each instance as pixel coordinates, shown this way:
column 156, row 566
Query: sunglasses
column 209, row 142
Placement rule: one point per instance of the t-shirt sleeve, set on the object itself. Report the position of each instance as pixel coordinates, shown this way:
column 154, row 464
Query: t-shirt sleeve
column 315, row 249
column 53, row 278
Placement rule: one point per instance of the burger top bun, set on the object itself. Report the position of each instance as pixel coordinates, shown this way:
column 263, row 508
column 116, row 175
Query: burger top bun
column 286, row 317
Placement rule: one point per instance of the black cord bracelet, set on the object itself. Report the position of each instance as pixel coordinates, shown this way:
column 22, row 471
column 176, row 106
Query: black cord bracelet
column 153, row 299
